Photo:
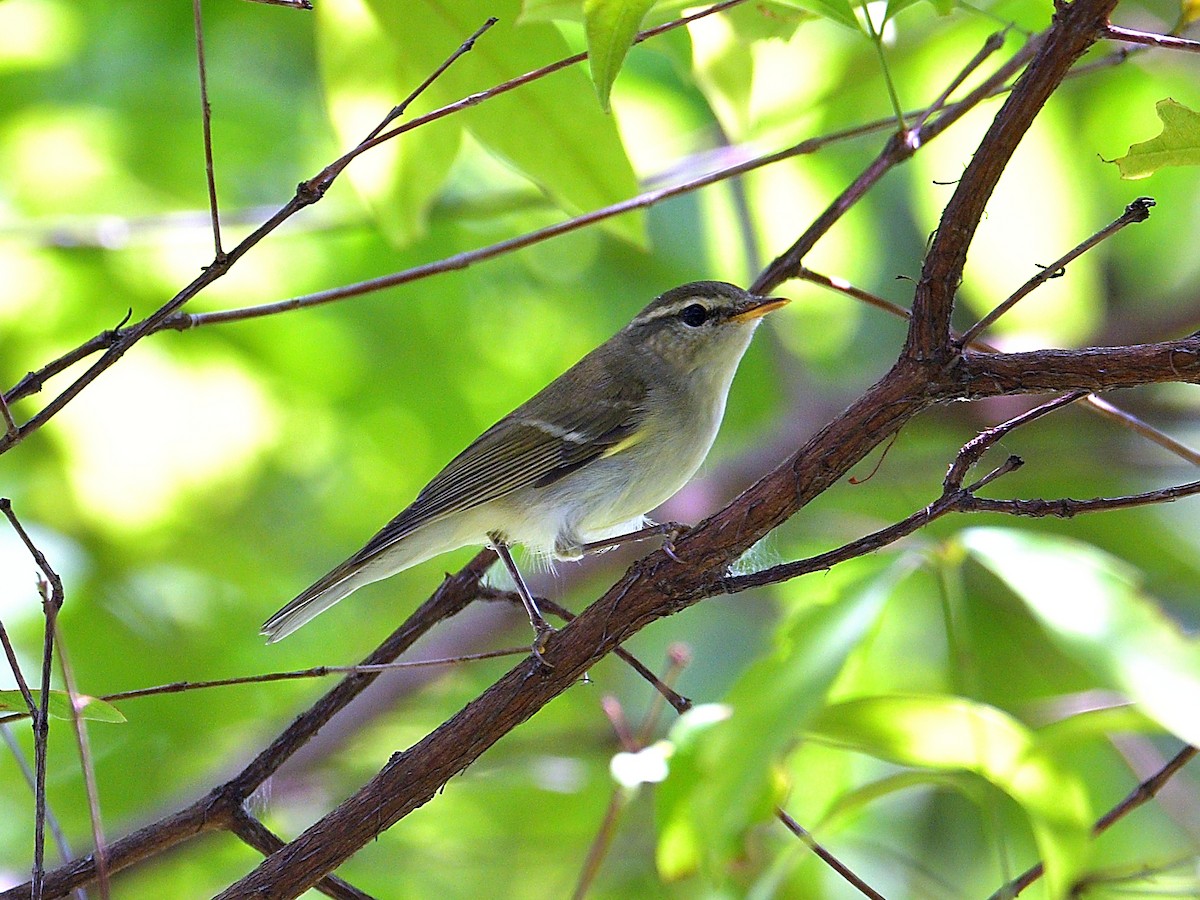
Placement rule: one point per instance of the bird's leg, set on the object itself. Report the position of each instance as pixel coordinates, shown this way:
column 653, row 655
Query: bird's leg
column 670, row 531
column 541, row 628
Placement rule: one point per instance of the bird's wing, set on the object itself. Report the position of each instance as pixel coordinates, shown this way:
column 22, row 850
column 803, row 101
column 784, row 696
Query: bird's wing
column 584, row 415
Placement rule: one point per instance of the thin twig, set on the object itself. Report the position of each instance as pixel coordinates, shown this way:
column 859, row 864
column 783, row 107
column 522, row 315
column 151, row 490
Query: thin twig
column 10, row 424
column 60, row 838
column 993, row 43
column 15, row 665
column 956, row 498
column 85, row 762
column 973, row 450
column 179, row 687
column 218, row 807
column 601, row 843
column 522, row 80
column 1165, row 41
column 830, row 860
column 398, row 110
column 678, row 702
column 206, row 120
column 1067, row 507
column 51, row 590
column 1137, row 211
column 307, row 193
column 294, row 4
column 1140, row 795
column 1128, row 420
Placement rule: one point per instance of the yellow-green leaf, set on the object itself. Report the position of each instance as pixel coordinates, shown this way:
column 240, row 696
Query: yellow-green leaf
column 91, row 708
column 723, row 775
column 1178, row 145
column 1092, row 606
column 611, row 28
column 953, row 734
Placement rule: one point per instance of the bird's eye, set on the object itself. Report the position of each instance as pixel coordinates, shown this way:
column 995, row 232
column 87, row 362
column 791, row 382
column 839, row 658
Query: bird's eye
column 694, row 315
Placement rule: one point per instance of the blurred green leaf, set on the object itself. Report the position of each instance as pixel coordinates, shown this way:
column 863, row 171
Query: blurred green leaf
column 364, row 77
column 548, row 130
column 1177, row 145
column 895, row 7
column 722, row 777
column 91, row 708
column 611, row 27
column 1091, row 606
column 952, row 733
column 839, row 11
column 551, row 11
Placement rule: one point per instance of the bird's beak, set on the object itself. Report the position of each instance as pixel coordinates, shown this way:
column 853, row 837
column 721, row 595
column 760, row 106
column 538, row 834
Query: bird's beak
column 761, row 307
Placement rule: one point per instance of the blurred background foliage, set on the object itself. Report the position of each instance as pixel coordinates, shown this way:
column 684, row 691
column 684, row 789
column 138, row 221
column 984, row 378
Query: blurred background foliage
column 213, row 473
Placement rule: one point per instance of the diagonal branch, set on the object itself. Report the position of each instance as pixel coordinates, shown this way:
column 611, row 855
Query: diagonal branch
column 1076, row 26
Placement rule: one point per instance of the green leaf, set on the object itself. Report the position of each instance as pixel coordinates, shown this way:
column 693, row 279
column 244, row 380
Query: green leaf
column 549, row 130
column 722, row 775
column 551, row 11
column 90, row 708
column 611, row 28
column 1178, row 145
column 838, row 11
column 954, row 734
column 1092, row 607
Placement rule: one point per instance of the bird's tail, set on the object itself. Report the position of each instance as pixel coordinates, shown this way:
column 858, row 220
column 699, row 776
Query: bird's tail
column 344, row 580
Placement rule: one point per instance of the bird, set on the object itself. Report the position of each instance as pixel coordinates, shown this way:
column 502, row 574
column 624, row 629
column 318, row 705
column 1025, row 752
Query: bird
column 577, row 467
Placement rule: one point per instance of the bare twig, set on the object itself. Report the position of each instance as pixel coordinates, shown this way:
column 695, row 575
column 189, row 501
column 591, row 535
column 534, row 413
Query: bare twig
column 206, row 121
column 1128, row 420
column 1140, row 795
column 830, row 860
column 1165, row 41
column 85, row 762
column 51, row 590
column 10, row 424
column 678, row 702
column 1137, row 211
column 294, row 4
column 60, row 839
column 15, row 666
column 601, row 843
column 398, row 110
column 972, row 451
column 993, row 43
column 179, row 687
column 308, row 193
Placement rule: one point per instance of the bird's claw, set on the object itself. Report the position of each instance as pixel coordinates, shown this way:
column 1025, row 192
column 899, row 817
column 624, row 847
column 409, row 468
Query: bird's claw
column 672, row 531
column 542, row 634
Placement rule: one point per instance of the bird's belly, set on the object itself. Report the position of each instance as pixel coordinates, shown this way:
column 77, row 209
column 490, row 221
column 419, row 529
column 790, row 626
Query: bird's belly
column 607, row 497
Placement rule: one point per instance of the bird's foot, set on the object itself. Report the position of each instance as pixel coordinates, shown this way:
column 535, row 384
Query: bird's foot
column 542, row 631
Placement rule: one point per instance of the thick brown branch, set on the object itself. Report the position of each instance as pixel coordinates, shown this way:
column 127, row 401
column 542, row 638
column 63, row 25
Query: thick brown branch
column 1092, row 369
column 1075, row 29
